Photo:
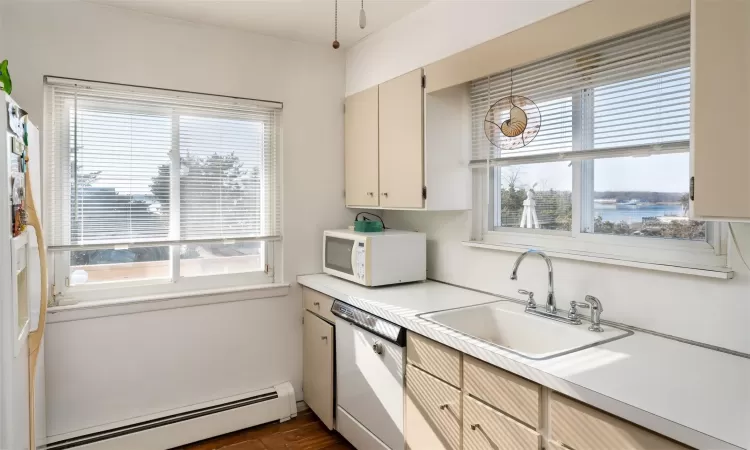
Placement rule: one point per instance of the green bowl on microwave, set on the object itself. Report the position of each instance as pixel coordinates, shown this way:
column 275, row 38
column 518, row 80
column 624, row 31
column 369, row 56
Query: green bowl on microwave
column 368, row 226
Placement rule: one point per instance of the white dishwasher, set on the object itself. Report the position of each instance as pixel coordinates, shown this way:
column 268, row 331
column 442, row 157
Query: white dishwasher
column 370, row 358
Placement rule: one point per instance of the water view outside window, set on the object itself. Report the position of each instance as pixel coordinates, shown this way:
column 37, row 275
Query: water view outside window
column 645, row 196
column 652, row 201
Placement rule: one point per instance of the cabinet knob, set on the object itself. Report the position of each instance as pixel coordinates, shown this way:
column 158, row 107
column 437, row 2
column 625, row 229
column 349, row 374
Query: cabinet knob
column 384, row 194
column 316, row 304
column 370, row 194
column 377, row 348
column 444, row 406
column 324, row 338
column 474, row 426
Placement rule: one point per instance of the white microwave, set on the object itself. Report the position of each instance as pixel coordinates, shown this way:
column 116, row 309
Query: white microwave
column 375, row 259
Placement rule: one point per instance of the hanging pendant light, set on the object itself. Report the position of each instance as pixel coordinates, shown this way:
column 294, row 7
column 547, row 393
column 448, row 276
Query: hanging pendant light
column 362, row 15
column 513, row 121
column 336, row 44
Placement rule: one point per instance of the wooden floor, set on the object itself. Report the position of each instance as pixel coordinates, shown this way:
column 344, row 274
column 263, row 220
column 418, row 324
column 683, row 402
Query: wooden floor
column 304, row 432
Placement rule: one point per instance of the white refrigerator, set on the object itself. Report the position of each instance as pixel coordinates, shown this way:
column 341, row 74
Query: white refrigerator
column 20, row 291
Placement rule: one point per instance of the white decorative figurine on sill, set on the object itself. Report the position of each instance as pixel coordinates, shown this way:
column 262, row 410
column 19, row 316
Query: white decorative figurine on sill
column 528, row 216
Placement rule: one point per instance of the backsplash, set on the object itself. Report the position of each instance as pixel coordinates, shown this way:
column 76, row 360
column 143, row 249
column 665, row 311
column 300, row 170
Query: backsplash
column 701, row 309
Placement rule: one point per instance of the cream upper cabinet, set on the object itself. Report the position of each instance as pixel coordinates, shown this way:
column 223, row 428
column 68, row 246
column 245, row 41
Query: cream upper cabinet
column 401, row 141
column 318, row 366
column 407, row 150
column 720, row 109
column 361, row 148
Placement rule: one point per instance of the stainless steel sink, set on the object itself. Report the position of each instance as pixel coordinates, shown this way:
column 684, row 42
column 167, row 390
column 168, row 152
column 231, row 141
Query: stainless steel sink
column 504, row 324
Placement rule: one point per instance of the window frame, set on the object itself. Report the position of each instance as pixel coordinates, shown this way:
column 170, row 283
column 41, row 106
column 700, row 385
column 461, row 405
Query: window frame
column 68, row 295
column 711, row 253
column 64, row 294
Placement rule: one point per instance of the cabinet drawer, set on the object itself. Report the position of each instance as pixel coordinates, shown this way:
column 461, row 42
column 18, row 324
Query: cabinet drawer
column 485, row 428
column 585, row 428
column 318, row 303
column 507, row 392
column 434, row 358
column 433, row 412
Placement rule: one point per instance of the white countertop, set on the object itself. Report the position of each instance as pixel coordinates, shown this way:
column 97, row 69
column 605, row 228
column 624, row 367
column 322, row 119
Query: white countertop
column 694, row 395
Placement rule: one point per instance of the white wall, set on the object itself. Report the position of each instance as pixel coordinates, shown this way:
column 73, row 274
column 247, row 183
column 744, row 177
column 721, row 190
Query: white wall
column 706, row 310
column 2, row 41
column 438, row 30
column 109, row 369
column 115, row 368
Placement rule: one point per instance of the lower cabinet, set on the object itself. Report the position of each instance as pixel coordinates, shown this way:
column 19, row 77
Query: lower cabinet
column 318, row 368
column 488, row 429
column 497, row 410
column 582, row 427
column 433, row 412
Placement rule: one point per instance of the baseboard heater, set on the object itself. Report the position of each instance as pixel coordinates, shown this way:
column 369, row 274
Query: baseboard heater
column 269, row 405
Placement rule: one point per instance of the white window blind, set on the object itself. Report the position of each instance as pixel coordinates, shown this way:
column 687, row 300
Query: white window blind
column 623, row 96
column 142, row 167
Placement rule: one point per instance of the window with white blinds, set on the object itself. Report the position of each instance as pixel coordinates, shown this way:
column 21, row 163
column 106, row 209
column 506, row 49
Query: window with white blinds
column 627, row 95
column 608, row 172
column 140, row 168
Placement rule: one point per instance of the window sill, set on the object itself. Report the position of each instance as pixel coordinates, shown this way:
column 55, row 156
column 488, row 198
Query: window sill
column 721, row 273
column 132, row 305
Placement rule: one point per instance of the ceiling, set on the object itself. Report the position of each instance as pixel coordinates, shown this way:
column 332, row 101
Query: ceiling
column 299, row 20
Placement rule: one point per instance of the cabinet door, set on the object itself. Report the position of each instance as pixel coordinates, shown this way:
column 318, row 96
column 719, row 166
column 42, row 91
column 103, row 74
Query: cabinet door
column 488, row 429
column 582, row 427
column 361, row 148
column 720, row 109
column 401, row 135
column 433, row 412
column 318, row 367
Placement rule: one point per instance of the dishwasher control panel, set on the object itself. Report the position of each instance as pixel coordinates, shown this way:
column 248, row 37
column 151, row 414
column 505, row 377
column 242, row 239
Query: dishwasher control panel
column 370, row 322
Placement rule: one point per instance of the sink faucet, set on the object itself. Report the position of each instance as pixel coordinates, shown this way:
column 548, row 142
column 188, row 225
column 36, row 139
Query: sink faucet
column 551, row 306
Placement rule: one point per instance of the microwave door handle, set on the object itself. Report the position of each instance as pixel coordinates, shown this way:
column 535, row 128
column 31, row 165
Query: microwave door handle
column 325, row 260
column 354, row 259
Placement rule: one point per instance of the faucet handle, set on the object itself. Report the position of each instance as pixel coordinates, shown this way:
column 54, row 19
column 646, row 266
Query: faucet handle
column 530, row 304
column 573, row 313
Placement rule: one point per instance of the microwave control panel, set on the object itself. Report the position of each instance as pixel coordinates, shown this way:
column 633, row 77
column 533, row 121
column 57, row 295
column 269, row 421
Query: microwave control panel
column 359, row 269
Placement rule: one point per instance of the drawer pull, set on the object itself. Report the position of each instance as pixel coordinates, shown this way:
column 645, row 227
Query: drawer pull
column 324, row 338
column 316, row 304
column 475, row 427
column 445, row 406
